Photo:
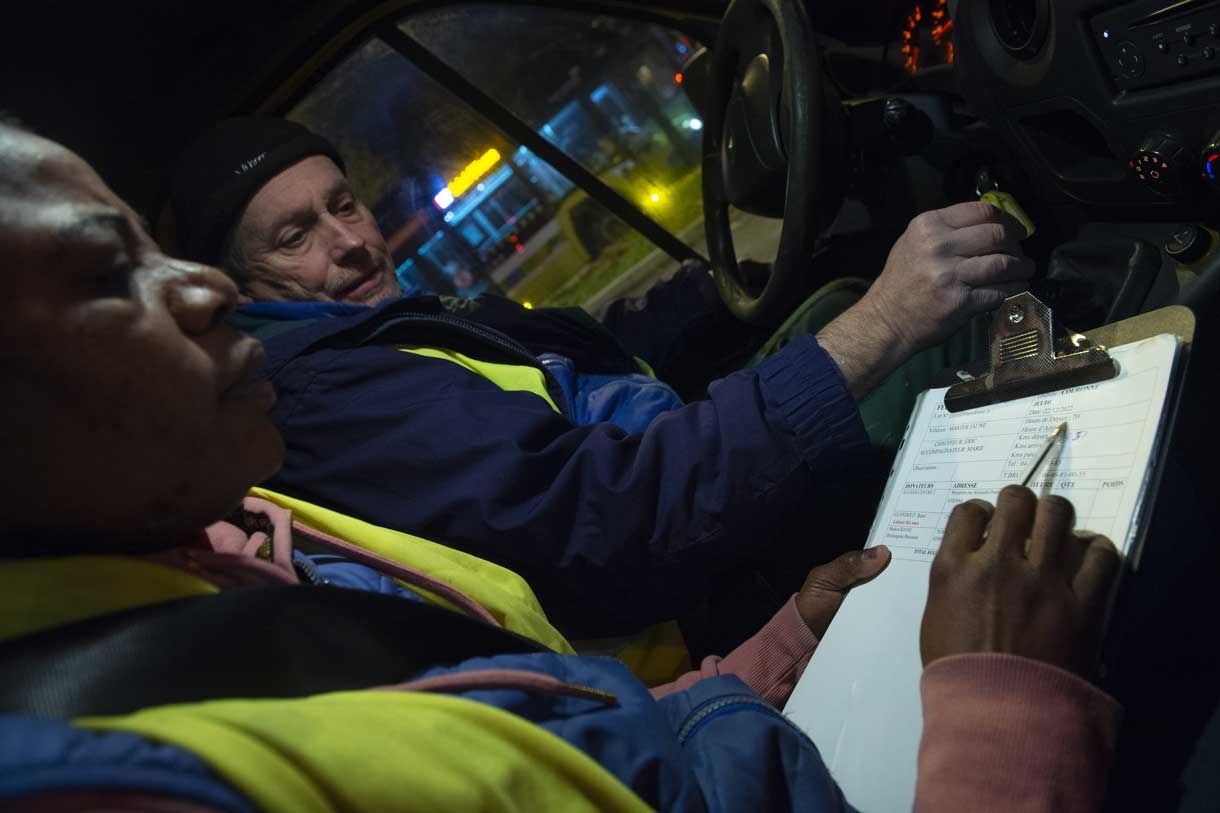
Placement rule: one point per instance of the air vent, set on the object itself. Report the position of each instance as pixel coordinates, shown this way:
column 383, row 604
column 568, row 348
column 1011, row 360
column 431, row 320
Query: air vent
column 1021, row 25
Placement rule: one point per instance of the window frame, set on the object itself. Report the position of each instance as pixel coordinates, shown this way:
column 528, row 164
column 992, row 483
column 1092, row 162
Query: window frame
column 381, row 22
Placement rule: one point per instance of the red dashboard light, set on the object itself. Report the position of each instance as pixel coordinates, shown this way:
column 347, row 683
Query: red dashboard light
column 927, row 36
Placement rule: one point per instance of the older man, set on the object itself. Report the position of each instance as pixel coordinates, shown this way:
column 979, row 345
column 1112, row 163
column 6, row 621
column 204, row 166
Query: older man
column 529, row 437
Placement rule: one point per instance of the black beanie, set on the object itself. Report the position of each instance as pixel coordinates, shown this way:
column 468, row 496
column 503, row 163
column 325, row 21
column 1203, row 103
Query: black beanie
column 225, row 168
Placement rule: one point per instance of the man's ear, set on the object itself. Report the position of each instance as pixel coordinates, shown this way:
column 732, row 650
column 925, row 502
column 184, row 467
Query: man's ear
column 244, row 299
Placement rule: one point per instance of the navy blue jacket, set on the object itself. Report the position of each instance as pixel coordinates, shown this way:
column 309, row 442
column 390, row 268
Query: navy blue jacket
column 613, row 530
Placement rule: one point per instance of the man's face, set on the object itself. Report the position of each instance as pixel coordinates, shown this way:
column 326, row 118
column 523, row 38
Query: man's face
column 305, row 236
column 130, row 409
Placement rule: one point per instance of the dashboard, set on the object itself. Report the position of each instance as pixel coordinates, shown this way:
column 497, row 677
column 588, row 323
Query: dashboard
column 1113, row 106
column 926, row 38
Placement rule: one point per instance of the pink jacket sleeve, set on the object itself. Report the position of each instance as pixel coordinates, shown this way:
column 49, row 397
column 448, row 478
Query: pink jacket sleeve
column 770, row 662
column 1007, row 733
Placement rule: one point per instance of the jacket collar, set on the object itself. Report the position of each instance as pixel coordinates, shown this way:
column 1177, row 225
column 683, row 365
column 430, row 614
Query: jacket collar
column 296, row 327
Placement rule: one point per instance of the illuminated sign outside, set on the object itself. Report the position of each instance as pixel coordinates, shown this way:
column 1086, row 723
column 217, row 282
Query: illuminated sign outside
column 467, row 178
column 474, row 170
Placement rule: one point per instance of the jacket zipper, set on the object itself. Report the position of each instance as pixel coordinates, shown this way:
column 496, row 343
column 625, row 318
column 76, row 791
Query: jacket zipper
column 695, row 720
column 306, row 571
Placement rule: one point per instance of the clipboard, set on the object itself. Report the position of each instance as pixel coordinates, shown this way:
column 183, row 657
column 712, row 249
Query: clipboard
column 859, row 696
column 1029, row 358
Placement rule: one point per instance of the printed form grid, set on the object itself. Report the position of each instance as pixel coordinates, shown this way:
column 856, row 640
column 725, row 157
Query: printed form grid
column 950, row 458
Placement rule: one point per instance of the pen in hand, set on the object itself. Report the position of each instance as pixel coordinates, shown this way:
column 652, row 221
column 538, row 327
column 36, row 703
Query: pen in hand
column 1050, row 443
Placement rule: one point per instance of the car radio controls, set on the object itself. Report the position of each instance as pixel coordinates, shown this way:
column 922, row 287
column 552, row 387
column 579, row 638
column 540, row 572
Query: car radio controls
column 1160, row 161
column 1149, row 43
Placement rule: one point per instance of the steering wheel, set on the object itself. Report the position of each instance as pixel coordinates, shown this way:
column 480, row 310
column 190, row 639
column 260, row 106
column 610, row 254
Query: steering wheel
column 772, row 145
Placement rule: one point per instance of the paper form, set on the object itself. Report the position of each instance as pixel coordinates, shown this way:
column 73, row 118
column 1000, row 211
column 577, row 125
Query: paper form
column 859, row 697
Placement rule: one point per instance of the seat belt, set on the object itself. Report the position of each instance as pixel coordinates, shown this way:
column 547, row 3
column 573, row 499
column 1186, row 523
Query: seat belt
column 280, row 641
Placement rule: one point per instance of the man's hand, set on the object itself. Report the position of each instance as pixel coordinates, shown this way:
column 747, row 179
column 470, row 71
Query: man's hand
column 948, row 266
column 826, row 585
column 1025, row 584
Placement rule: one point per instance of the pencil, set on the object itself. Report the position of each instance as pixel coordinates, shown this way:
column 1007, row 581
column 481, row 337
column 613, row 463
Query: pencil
column 1050, row 442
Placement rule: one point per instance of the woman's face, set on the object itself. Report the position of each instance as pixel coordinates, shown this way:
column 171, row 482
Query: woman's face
column 129, row 409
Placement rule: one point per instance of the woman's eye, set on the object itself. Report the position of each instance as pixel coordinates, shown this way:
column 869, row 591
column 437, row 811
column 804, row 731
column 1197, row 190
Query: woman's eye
column 112, row 279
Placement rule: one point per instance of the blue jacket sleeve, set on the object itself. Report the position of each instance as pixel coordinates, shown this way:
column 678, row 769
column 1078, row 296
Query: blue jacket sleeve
column 40, row 755
column 746, row 755
column 716, row 747
column 613, row 530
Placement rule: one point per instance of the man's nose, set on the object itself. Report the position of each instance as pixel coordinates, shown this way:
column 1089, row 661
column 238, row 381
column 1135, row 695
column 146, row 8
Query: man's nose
column 199, row 296
column 346, row 242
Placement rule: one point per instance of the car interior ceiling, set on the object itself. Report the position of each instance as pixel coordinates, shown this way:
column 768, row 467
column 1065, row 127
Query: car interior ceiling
column 1101, row 118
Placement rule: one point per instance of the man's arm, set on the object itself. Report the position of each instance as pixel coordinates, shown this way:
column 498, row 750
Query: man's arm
column 628, row 528
column 948, row 266
column 615, row 529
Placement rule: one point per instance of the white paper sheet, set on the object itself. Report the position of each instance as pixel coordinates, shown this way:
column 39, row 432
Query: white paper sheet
column 859, row 697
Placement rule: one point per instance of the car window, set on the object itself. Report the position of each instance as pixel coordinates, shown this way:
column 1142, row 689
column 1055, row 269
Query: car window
column 464, row 208
column 606, row 90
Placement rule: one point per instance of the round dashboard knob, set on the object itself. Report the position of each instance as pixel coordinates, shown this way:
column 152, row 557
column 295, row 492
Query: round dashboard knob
column 1209, row 158
column 1188, row 243
column 1160, row 162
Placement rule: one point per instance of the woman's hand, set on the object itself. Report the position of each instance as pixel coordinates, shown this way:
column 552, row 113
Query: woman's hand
column 820, row 596
column 274, row 544
column 1017, row 579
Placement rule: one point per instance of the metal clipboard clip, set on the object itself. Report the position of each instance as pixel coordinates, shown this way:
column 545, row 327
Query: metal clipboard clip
column 1026, row 359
